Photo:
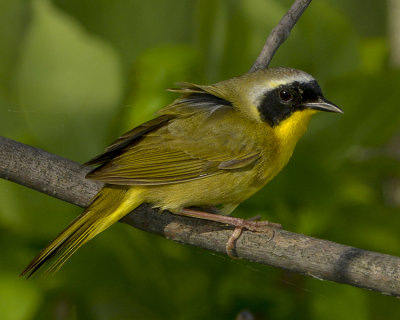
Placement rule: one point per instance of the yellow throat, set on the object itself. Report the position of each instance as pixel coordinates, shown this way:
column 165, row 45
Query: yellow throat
column 289, row 131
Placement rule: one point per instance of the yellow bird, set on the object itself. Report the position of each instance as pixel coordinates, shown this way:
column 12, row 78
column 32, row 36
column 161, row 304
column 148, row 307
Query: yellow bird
column 214, row 146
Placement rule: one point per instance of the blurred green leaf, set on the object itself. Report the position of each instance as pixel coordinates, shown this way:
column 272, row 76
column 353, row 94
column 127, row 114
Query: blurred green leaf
column 19, row 299
column 13, row 25
column 349, row 302
column 67, row 79
column 374, row 54
column 134, row 26
column 153, row 72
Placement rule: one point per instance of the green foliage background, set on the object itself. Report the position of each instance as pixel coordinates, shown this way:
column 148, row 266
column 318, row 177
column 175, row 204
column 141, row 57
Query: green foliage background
column 74, row 74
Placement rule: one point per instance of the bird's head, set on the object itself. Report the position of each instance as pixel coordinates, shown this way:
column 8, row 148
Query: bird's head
column 275, row 94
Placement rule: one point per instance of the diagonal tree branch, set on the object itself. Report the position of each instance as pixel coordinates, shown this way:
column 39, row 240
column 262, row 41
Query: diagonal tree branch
column 279, row 34
column 322, row 259
column 65, row 180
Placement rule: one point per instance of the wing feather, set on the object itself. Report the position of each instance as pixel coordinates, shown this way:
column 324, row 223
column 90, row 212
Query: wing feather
column 198, row 136
column 128, row 138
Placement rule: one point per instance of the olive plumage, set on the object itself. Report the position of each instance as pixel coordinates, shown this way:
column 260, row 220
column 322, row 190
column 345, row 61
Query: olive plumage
column 214, row 146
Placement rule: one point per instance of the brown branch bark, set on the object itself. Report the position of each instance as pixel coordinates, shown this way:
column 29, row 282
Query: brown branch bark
column 322, row 259
column 279, row 34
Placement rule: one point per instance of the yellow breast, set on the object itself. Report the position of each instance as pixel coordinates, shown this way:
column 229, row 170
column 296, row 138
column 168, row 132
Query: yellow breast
column 286, row 135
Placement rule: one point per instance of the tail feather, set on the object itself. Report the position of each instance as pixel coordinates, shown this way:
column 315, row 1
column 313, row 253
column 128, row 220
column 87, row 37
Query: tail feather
column 110, row 205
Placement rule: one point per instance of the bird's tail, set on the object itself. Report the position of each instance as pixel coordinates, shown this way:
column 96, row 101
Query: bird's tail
column 110, row 205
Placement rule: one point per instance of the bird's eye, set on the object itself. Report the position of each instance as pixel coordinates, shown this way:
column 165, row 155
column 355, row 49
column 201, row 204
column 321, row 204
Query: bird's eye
column 285, row 95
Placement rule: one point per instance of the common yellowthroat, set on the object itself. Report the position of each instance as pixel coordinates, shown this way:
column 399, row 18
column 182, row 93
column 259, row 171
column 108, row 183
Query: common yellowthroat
column 216, row 145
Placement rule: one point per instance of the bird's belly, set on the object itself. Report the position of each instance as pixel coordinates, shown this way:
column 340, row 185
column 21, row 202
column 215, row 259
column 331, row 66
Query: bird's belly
column 227, row 188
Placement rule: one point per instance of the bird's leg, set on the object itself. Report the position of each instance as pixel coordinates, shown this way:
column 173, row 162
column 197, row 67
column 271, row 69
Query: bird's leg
column 252, row 224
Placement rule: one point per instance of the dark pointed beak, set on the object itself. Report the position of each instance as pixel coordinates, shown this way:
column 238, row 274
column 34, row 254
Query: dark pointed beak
column 323, row 105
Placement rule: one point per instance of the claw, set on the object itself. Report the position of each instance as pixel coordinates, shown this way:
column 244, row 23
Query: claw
column 231, row 243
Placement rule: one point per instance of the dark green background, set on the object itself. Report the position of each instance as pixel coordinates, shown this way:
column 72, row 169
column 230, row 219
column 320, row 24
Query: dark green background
column 74, row 74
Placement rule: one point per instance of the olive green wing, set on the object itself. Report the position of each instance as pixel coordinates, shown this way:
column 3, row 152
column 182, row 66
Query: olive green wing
column 194, row 98
column 178, row 152
column 163, row 166
column 202, row 136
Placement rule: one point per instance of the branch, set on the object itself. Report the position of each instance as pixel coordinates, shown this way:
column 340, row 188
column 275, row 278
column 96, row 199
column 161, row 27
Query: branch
column 279, row 34
column 64, row 179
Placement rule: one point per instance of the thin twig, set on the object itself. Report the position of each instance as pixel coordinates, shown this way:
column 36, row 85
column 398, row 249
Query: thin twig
column 322, row 259
column 279, row 34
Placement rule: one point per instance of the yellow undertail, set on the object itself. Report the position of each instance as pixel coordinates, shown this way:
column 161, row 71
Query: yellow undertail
column 109, row 205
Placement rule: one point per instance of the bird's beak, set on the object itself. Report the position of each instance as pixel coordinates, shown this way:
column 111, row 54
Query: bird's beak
column 323, row 105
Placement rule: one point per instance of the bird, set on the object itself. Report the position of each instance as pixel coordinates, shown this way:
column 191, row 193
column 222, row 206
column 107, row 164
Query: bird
column 211, row 148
